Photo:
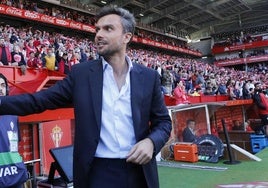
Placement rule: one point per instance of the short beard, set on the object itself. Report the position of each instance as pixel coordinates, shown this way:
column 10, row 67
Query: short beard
column 106, row 54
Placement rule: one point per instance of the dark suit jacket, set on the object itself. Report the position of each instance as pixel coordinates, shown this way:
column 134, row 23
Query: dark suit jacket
column 187, row 135
column 83, row 88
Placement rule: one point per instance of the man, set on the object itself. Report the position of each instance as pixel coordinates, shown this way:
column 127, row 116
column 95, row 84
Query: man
column 50, row 60
column 188, row 134
column 64, row 64
column 261, row 101
column 121, row 121
column 5, row 54
column 9, row 139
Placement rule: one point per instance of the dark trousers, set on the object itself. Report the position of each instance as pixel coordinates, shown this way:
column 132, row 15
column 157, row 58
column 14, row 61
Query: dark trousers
column 116, row 173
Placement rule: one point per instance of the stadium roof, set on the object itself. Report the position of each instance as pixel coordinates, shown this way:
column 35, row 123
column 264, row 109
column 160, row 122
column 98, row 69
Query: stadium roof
column 194, row 18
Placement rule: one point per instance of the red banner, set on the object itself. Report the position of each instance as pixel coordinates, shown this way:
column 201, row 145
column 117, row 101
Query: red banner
column 32, row 15
column 223, row 49
column 165, row 46
column 252, row 59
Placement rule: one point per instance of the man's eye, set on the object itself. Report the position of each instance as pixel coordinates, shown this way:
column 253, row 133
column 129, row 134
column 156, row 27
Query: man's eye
column 109, row 28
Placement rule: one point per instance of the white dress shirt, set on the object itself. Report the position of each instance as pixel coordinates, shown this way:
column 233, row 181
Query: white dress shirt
column 117, row 133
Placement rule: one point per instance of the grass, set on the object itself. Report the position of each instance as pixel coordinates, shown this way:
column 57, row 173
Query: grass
column 246, row 171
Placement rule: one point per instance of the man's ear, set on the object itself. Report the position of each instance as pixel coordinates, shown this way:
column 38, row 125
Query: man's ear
column 128, row 37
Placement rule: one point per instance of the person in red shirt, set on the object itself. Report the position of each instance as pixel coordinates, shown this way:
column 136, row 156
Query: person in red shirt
column 247, row 126
column 261, row 101
column 29, row 46
column 64, row 64
column 180, row 94
column 34, row 60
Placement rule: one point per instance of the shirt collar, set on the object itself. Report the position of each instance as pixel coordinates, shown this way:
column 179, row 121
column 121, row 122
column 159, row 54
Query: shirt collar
column 105, row 63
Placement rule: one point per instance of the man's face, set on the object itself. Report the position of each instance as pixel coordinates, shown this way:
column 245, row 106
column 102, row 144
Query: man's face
column 3, row 87
column 49, row 53
column 258, row 87
column 2, row 42
column 110, row 38
column 192, row 125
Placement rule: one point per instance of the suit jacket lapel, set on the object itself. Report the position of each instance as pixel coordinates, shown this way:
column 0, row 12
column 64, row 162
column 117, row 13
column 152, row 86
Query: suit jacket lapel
column 136, row 80
column 96, row 85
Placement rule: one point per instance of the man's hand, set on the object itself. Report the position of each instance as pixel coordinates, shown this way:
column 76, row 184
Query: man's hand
column 142, row 152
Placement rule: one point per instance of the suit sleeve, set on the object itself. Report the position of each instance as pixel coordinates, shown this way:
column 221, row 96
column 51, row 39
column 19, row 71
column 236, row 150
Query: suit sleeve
column 160, row 119
column 57, row 96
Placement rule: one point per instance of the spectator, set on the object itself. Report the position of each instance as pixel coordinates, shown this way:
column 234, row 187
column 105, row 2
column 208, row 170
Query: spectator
column 208, row 91
column 222, row 89
column 64, row 64
column 5, row 54
column 246, row 91
column 166, row 80
column 180, row 94
column 83, row 56
column 29, row 47
column 74, row 59
column 17, row 59
column 50, row 60
column 237, row 125
column 34, row 60
column 262, row 103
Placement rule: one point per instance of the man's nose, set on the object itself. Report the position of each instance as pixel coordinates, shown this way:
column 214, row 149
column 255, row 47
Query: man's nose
column 99, row 34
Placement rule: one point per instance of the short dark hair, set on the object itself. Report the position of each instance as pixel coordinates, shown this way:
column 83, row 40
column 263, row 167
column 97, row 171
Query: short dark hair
column 189, row 121
column 5, row 80
column 127, row 19
column 256, row 84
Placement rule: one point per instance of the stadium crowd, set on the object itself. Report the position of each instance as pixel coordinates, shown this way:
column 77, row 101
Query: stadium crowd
column 26, row 47
column 241, row 37
column 85, row 18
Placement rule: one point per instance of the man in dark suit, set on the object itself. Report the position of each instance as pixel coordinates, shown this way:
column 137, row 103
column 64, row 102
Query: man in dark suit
column 121, row 121
column 188, row 133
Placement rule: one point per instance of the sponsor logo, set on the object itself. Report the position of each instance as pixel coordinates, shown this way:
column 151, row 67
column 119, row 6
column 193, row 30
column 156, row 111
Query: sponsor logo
column 61, row 22
column 31, row 15
column 88, row 28
column 14, row 12
column 75, row 25
column 47, row 19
